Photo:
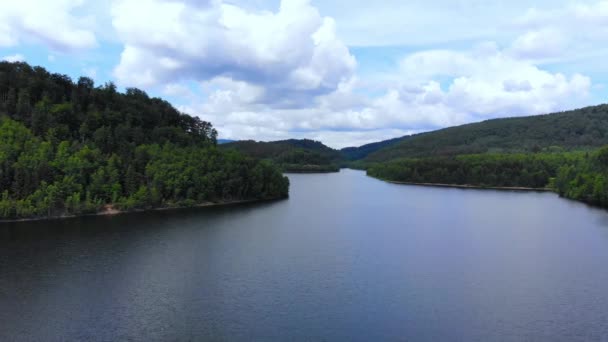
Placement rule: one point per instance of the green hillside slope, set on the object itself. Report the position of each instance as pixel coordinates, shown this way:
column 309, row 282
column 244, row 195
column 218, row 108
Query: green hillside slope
column 293, row 155
column 580, row 129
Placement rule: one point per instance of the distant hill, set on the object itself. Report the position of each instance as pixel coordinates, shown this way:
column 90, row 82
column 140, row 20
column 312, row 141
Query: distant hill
column 581, row 129
column 294, row 155
column 224, row 141
column 357, row 153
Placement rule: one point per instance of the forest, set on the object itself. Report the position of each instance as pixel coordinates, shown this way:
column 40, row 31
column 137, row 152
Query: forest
column 491, row 170
column 585, row 180
column 70, row 148
column 580, row 176
column 292, row 155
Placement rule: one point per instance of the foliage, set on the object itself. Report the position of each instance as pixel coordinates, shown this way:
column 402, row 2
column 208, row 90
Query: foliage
column 586, row 179
column 492, row 170
column 293, row 155
column 73, row 148
column 358, row 153
column 580, row 176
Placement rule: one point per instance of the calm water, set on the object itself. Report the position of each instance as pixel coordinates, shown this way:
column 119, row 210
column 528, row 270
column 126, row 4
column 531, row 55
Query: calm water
column 345, row 258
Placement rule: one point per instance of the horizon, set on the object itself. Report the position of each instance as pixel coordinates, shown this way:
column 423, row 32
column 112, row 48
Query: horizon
column 273, row 70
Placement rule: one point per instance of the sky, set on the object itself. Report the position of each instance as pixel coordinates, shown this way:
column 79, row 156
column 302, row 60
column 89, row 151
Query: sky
column 342, row 72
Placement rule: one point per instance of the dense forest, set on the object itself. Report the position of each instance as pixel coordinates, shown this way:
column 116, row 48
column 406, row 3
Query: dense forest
column 581, row 129
column 491, row 170
column 292, row 155
column 581, row 176
column 69, row 148
column 585, row 180
column 359, row 153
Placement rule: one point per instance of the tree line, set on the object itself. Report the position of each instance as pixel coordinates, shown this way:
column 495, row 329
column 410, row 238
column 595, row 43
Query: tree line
column 292, row 155
column 586, row 179
column 576, row 175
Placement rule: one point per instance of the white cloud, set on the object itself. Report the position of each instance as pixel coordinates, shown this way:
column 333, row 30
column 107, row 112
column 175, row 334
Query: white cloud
column 544, row 43
column 488, row 82
column 178, row 90
column 516, row 86
column 435, row 88
column 49, row 22
column 574, row 31
column 294, row 53
column 274, row 75
column 13, row 58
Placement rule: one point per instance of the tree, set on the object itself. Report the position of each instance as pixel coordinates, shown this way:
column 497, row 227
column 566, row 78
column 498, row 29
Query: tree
column 11, row 101
column 24, row 107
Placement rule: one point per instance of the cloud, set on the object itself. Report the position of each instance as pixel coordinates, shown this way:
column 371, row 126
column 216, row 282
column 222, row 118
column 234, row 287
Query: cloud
column 562, row 33
column 488, row 82
column 583, row 15
column 424, row 23
column 431, row 89
column 271, row 69
column 263, row 74
column 13, row 58
column 52, row 23
column 538, row 44
column 516, row 86
column 293, row 53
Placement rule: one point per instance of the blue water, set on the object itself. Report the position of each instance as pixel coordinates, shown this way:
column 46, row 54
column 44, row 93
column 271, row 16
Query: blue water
column 347, row 257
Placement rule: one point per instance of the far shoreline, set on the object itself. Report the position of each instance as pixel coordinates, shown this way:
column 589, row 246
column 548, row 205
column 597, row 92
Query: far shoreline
column 310, row 171
column 110, row 210
column 468, row 186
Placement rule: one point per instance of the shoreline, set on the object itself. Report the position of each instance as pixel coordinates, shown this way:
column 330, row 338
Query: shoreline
column 109, row 210
column 467, row 186
column 311, row 171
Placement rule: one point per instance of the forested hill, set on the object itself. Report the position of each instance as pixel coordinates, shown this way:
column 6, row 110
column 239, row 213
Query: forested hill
column 293, row 155
column 580, row 129
column 69, row 148
column 357, row 153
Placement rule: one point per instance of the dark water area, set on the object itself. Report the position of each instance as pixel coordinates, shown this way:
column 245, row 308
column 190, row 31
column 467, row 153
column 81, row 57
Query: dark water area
column 345, row 258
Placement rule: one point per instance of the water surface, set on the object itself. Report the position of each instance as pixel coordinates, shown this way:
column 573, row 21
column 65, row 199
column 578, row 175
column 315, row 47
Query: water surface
column 345, row 258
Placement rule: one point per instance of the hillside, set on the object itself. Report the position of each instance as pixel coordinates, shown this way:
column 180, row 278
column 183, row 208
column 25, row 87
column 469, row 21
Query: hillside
column 293, row 155
column 71, row 148
column 358, row 153
column 580, row 129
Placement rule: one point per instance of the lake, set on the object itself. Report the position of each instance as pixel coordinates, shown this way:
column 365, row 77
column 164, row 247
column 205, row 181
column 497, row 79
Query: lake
column 346, row 257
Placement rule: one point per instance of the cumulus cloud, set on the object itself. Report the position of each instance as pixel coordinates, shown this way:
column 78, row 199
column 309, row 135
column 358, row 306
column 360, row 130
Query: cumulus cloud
column 488, row 82
column 50, row 22
column 13, row 58
column 294, row 54
column 436, row 88
column 287, row 72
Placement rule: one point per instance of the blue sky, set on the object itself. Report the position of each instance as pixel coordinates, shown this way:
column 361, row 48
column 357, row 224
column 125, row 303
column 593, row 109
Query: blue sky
column 343, row 73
